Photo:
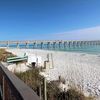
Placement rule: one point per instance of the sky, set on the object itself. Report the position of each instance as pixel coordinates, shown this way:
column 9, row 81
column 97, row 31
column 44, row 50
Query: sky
column 49, row 19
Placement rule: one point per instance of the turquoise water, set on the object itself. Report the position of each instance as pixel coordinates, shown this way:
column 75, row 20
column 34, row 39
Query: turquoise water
column 94, row 49
column 84, row 49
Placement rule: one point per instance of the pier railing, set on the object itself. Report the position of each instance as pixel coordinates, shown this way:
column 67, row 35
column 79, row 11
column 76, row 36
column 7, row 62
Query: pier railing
column 12, row 88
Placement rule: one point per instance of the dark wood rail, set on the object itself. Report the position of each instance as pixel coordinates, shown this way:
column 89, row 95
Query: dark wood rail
column 12, row 88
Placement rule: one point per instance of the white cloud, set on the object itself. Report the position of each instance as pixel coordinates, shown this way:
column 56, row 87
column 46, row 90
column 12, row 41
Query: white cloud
column 92, row 33
column 81, row 34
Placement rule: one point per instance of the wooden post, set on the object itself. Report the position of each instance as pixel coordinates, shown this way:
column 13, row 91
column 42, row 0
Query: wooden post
column 40, row 92
column 44, row 89
column 3, row 88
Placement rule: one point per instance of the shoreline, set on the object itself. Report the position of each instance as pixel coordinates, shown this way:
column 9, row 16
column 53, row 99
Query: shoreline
column 51, row 50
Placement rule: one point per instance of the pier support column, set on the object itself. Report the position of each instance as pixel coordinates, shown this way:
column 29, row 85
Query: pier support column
column 81, row 44
column 7, row 44
column 26, row 46
column 17, row 45
column 74, row 44
column 65, row 44
column 84, row 43
column 60, row 45
column 34, row 45
column 48, row 45
column 54, row 45
column 69, row 44
column 98, row 42
column 93, row 43
column 77, row 43
column 87, row 43
column 41, row 45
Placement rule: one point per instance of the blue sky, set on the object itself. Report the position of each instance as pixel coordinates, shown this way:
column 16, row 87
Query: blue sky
column 49, row 19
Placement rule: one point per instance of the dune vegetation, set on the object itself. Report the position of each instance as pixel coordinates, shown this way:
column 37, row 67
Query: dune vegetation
column 4, row 55
column 35, row 81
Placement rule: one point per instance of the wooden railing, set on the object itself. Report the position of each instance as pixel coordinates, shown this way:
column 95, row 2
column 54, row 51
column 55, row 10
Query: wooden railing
column 12, row 88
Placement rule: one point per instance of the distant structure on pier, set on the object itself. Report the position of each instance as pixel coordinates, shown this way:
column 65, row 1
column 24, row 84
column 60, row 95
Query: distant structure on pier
column 52, row 44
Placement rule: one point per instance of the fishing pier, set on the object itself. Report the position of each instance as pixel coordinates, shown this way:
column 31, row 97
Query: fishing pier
column 47, row 44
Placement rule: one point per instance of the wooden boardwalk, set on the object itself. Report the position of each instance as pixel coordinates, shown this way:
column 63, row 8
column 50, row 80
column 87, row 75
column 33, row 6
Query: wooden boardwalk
column 13, row 88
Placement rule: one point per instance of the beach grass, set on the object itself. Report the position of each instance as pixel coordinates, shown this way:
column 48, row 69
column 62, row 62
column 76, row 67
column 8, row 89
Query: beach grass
column 34, row 80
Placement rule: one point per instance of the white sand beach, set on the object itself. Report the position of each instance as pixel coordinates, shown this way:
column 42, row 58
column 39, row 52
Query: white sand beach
column 79, row 69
